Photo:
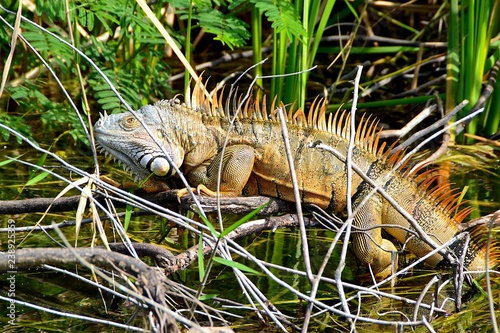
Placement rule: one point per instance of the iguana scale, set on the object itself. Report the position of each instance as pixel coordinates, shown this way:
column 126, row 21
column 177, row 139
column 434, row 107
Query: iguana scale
column 254, row 163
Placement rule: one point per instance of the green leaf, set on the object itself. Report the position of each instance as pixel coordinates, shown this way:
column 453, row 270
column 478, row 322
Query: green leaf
column 128, row 216
column 90, row 20
column 19, row 92
column 37, row 178
column 207, row 297
column 283, row 16
column 106, row 100
column 9, row 160
column 209, row 224
column 244, row 219
column 41, row 160
column 228, row 29
column 235, row 264
column 111, row 106
column 53, row 9
column 40, row 163
column 201, row 264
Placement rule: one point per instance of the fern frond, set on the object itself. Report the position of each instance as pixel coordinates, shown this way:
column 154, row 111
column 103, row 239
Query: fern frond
column 283, row 16
column 53, row 9
column 229, row 30
column 126, row 85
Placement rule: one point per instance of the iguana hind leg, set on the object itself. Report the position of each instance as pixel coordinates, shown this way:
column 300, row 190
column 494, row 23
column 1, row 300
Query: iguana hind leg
column 367, row 241
column 237, row 165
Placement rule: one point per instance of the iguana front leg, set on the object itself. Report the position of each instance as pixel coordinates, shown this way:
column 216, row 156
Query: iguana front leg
column 237, row 165
column 367, row 241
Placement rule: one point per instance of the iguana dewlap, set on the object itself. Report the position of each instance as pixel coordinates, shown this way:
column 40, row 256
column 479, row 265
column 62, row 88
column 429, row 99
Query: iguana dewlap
column 254, row 163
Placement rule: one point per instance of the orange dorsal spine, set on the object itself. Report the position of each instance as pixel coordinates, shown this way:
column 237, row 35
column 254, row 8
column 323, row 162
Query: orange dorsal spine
column 367, row 137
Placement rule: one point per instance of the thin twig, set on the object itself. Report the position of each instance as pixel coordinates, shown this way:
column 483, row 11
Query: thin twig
column 421, row 134
column 429, row 284
column 421, row 87
column 385, row 134
column 350, row 215
column 442, row 148
column 65, row 314
column 296, row 194
column 387, row 79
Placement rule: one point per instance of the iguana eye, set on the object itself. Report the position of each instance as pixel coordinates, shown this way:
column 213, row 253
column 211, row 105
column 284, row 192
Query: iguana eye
column 130, row 122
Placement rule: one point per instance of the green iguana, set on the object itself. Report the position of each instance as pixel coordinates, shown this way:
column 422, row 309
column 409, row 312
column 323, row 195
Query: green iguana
column 254, row 163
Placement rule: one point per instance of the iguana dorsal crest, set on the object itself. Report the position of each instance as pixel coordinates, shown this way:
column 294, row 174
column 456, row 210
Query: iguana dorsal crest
column 244, row 107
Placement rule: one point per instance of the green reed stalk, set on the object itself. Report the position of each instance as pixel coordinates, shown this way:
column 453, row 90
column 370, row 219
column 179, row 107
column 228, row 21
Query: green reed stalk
column 257, row 43
column 478, row 24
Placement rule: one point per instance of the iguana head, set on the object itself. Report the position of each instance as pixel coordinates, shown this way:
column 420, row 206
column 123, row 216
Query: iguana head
column 124, row 137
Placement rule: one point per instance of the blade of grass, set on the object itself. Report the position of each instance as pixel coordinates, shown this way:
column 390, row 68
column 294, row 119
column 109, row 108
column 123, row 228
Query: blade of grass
column 10, row 160
column 235, row 264
column 452, row 67
column 201, row 263
column 257, row 44
column 37, row 178
column 187, row 45
column 244, row 219
column 128, row 216
column 209, row 224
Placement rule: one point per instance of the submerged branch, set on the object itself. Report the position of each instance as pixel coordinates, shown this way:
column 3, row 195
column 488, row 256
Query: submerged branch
column 167, row 199
column 271, row 223
column 150, row 283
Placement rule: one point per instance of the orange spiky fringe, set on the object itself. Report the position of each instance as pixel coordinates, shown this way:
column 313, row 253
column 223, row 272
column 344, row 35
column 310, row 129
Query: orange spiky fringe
column 479, row 241
column 367, row 136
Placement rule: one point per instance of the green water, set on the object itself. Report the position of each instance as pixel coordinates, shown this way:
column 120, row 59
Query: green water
column 282, row 247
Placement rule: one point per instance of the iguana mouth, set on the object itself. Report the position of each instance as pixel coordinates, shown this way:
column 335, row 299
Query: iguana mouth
column 108, row 143
column 123, row 159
